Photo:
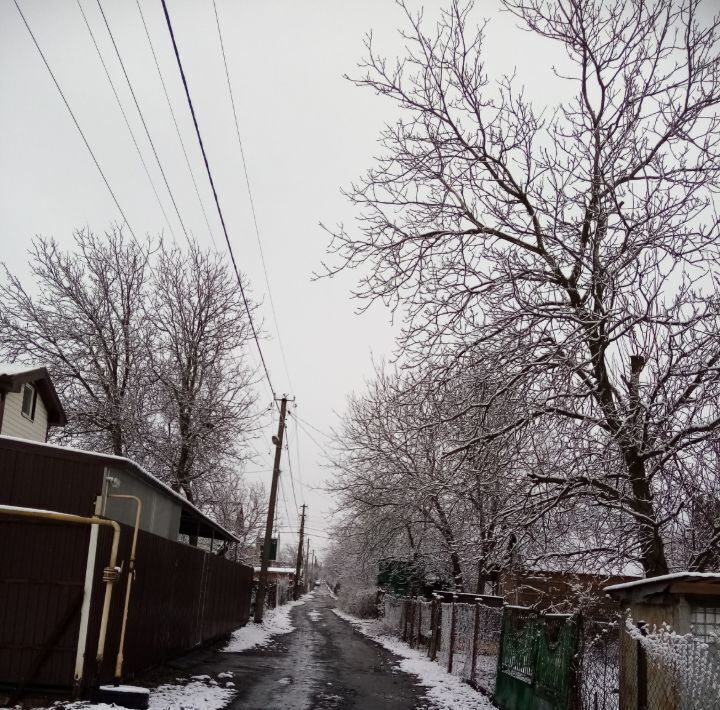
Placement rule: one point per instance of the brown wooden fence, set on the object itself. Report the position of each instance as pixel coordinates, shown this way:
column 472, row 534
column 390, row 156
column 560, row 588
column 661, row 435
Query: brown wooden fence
column 182, row 597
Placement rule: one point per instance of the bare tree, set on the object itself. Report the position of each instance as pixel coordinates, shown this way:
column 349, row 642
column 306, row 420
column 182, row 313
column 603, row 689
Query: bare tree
column 240, row 507
column 203, row 394
column 576, row 245
column 83, row 317
column 404, row 495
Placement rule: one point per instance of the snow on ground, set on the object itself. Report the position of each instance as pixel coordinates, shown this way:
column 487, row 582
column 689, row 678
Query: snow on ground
column 195, row 695
column 275, row 622
column 446, row 692
column 315, row 615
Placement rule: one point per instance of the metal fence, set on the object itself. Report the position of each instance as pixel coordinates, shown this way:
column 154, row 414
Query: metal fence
column 463, row 638
column 537, row 660
column 182, row 597
column 598, row 665
column 663, row 670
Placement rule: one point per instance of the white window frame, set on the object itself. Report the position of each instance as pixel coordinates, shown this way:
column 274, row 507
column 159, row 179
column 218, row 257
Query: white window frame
column 33, row 401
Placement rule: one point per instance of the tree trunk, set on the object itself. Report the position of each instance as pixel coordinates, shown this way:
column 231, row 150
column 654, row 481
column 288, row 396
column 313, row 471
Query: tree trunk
column 443, row 525
column 652, row 547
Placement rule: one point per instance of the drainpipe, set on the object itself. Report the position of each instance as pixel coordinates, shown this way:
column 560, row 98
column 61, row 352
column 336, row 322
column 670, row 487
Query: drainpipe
column 110, row 573
column 128, row 588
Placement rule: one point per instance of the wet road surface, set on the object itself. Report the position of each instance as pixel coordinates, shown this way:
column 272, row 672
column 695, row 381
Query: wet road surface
column 324, row 664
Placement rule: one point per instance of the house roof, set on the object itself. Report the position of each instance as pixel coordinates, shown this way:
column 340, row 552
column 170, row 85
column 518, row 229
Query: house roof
column 192, row 520
column 678, row 582
column 13, row 376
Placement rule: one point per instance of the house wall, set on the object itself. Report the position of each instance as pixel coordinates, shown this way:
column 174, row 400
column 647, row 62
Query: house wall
column 160, row 515
column 15, row 424
column 562, row 591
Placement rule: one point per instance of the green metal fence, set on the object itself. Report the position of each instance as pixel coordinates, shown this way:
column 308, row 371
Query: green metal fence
column 535, row 663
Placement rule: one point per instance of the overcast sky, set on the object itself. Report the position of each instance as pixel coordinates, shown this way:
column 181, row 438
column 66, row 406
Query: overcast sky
column 306, row 132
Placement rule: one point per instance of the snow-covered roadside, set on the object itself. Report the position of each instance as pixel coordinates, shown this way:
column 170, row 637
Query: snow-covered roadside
column 275, row 622
column 195, row 695
column 446, row 692
column 203, row 692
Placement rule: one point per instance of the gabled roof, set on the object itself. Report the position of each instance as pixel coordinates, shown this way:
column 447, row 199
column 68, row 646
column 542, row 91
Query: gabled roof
column 13, row 376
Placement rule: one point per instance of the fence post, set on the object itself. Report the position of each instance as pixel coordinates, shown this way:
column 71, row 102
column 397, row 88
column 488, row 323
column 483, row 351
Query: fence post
column 501, row 645
column 451, row 650
column 641, row 671
column 405, row 618
column 409, row 624
column 476, row 632
column 419, row 624
column 434, row 628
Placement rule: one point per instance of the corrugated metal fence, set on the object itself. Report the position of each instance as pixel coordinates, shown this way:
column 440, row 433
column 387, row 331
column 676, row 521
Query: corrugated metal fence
column 182, row 596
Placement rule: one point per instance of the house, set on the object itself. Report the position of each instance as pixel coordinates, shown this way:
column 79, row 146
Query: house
column 559, row 590
column 29, row 404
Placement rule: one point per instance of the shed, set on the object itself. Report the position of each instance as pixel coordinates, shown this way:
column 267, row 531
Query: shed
column 669, row 656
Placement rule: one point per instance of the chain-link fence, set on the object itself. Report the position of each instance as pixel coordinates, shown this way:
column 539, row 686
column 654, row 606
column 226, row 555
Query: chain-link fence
column 462, row 638
column 663, row 670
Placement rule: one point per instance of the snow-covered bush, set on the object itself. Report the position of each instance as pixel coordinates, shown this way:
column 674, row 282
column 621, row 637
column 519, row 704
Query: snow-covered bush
column 359, row 602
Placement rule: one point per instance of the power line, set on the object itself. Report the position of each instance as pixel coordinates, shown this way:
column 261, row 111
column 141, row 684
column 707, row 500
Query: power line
column 124, row 115
column 311, row 437
column 75, row 121
column 142, row 118
column 307, row 423
column 215, row 195
column 177, row 127
column 289, row 458
column 250, row 197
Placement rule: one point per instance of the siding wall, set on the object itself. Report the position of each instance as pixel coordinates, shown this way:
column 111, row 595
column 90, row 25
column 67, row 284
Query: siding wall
column 15, row 424
column 160, row 514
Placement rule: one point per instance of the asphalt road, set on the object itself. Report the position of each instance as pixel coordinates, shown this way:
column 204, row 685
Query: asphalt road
column 324, row 664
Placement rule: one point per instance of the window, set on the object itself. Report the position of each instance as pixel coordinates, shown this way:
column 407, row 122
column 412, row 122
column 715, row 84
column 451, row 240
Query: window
column 29, row 399
column 705, row 621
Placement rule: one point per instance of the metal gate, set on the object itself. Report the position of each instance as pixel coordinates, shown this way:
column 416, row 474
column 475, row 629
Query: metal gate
column 535, row 663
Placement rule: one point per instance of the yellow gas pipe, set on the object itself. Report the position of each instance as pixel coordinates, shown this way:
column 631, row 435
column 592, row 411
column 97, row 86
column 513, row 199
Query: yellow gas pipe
column 110, row 573
column 131, row 577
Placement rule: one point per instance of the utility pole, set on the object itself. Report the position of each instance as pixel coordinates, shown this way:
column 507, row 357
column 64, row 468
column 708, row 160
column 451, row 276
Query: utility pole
column 307, row 566
column 262, row 585
column 298, row 563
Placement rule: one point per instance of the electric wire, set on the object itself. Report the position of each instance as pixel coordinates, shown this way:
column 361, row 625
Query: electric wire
column 177, row 127
column 312, row 438
column 124, row 115
column 142, row 119
column 75, row 121
column 215, row 195
column 307, row 423
column 290, row 471
column 250, row 198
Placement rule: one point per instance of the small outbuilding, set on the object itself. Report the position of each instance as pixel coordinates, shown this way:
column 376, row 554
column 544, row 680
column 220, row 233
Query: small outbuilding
column 688, row 602
column 669, row 654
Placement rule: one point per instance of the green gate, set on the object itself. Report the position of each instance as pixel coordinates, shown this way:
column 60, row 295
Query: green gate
column 535, row 663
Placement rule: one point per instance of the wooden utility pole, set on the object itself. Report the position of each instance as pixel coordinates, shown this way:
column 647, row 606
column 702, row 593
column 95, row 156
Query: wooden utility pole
column 298, row 563
column 262, row 585
column 307, row 566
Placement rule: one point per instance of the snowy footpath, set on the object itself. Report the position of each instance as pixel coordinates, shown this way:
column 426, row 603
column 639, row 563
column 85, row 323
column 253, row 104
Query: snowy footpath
column 203, row 691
